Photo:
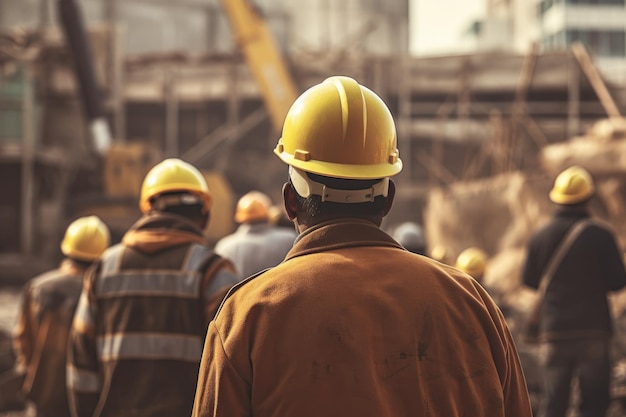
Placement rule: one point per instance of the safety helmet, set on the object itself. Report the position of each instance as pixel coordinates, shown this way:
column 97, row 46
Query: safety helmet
column 253, row 206
column 340, row 129
column 174, row 175
column 411, row 236
column 85, row 239
column 572, row 186
column 472, row 261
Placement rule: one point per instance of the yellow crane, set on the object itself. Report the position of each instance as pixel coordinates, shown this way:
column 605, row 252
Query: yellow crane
column 263, row 58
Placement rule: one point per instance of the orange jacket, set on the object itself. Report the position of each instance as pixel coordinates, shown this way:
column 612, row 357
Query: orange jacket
column 350, row 324
column 41, row 332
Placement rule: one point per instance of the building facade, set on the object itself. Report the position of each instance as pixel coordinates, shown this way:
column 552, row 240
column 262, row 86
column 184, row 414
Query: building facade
column 513, row 25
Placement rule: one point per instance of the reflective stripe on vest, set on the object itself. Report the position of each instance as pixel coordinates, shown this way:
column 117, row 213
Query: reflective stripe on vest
column 159, row 283
column 150, row 346
column 184, row 283
column 81, row 380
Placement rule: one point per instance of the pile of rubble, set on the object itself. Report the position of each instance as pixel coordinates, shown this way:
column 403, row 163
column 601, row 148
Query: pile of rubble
column 499, row 214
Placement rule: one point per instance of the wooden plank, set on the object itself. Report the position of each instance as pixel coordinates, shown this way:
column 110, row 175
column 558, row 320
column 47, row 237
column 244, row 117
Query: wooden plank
column 594, row 77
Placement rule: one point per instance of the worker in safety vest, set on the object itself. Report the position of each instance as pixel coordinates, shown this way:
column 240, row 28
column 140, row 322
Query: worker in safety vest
column 473, row 261
column 576, row 325
column 138, row 331
column 45, row 317
column 256, row 244
column 351, row 323
column 411, row 236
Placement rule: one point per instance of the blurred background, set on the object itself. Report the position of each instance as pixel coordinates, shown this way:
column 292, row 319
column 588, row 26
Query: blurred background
column 492, row 98
column 478, row 88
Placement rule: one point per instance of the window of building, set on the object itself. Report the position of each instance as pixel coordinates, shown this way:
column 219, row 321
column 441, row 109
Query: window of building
column 601, row 43
column 597, row 2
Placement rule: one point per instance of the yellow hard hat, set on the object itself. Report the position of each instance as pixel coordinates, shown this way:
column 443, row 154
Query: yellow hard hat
column 340, row 129
column 253, row 206
column 572, row 186
column 85, row 239
column 472, row 261
column 172, row 175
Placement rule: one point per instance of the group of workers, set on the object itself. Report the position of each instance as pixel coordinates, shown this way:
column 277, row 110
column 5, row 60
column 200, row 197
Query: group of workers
column 332, row 317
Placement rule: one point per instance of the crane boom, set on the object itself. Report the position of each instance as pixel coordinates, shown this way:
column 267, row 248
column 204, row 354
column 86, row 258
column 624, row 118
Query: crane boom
column 263, row 57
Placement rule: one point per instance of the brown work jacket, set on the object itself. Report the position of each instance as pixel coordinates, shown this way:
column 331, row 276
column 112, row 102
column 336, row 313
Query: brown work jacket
column 140, row 324
column 41, row 332
column 351, row 324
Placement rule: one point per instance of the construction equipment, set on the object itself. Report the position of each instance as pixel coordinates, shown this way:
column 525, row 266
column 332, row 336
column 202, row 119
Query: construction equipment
column 263, row 57
column 76, row 38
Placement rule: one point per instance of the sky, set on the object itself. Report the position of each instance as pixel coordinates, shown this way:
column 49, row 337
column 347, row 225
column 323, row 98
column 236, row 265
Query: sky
column 436, row 25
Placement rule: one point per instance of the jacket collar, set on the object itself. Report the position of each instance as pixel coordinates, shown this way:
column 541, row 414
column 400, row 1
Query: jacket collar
column 338, row 234
column 577, row 211
column 156, row 231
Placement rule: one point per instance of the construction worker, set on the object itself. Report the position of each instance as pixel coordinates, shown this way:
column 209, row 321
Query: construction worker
column 576, row 324
column 45, row 317
column 351, row 324
column 411, row 236
column 256, row 244
column 139, row 327
column 472, row 261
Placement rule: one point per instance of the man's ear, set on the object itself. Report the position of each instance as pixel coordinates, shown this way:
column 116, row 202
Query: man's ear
column 290, row 201
column 390, row 196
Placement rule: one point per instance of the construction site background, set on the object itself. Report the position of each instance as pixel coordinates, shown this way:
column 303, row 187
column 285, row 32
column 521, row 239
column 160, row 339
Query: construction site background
column 482, row 136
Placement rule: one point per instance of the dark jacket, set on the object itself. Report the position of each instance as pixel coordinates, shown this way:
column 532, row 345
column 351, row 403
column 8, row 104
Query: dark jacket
column 140, row 324
column 41, row 332
column 351, row 324
column 575, row 304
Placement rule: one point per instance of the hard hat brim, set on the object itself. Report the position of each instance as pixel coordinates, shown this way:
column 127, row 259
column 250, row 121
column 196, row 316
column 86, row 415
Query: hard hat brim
column 344, row 171
column 559, row 198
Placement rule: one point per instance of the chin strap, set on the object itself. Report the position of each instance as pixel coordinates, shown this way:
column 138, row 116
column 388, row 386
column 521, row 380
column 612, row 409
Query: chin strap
column 306, row 187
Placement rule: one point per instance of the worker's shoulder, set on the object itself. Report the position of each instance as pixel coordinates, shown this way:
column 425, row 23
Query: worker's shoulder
column 48, row 278
column 598, row 230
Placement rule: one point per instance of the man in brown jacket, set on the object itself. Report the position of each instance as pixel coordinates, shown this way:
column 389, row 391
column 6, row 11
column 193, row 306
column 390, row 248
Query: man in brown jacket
column 45, row 317
column 138, row 331
column 351, row 324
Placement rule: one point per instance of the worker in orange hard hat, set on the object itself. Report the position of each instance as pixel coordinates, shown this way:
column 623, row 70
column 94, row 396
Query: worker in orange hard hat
column 139, row 327
column 351, row 323
column 256, row 244
column 45, row 317
column 472, row 261
column 574, row 262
